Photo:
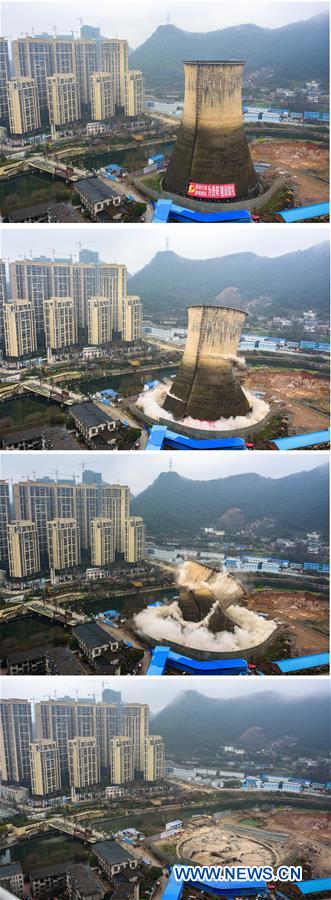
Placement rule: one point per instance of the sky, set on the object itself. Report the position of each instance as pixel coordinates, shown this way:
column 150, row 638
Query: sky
column 123, row 467
column 147, row 690
column 135, row 246
column 136, row 21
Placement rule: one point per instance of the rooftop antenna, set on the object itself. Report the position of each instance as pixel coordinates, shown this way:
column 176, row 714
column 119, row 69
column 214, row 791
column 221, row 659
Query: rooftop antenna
column 168, row 17
column 168, row 243
column 170, row 465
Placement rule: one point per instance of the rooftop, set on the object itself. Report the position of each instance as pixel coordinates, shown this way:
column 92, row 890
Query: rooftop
column 10, row 869
column 95, row 190
column 112, row 852
column 93, row 635
column 85, row 880
column 89, row 414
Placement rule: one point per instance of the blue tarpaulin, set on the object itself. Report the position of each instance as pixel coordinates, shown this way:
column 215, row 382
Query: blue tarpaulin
column 298, row 663
column 305, row 212
column 297, row 441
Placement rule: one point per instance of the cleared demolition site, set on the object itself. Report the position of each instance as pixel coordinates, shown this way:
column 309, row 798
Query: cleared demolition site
column 264, row 836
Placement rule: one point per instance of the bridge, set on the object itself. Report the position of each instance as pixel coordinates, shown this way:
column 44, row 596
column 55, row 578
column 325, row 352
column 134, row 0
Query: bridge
column 57, row 169
column 87, row 835
column 65, row 616
column 50, row 392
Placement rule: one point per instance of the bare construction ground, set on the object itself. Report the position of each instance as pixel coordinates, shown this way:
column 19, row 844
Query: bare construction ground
column 306, row 163
column 305, row 616
column 264, row 837
column 216, row 845
column 305, row 397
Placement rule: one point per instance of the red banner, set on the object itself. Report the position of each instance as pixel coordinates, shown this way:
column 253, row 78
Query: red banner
column 211, row 191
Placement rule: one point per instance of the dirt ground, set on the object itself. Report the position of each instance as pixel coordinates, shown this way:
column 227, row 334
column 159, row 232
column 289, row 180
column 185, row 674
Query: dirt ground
column 305, row 616
column 305, row 397
column 278, row 835
column 307, row 164
column 308, row 832
column 216, row 846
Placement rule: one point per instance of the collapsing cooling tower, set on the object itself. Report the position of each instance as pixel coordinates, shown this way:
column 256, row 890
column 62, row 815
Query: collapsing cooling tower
column 207, row 595
column 211, row 159
column 205, row 387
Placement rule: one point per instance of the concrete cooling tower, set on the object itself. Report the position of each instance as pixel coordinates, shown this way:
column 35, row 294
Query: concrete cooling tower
column 205, row 387
column 197, row 597
column 211, row 159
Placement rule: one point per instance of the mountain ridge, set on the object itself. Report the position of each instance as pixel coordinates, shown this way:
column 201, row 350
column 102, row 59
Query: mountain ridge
column 294, row 281
column 297, row 51
column 225, row 720
column 176, row 504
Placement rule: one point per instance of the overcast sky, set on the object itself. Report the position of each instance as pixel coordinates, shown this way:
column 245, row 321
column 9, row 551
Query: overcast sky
column 136, row 246
column 147, row 690
column 124, row 467
column 136, row 21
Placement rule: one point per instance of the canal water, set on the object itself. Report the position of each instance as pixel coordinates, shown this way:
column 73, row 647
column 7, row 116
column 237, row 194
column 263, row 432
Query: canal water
column 30, row 189
column 34, row 187
column 47, row 849
column 131, row 160
column 30, row 412
column 124, row 384
column 127, row 605
column 27, row 632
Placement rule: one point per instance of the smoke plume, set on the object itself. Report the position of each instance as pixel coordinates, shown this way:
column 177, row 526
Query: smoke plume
column 151, row 404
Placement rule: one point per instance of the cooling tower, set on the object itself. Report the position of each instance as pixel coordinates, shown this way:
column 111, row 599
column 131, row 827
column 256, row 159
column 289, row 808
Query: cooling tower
column 205, row 387
column 207, row 593
column 211, row 159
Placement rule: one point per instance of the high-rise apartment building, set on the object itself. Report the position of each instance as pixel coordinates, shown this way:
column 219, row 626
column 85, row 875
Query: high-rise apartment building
column 86, row 55
column 135, row 725
column 154, row 758
column 4, row 76
column 135, row 535
column 43, row 57
column 84, row 762
column 63, row 99
column 102, row 96
column 115, row 499
column 99, row 320
column 63, row 544
column 133, row 319
column 39, row 280
column 121, row 769
column 115, row 60
column 134, row 93
column 44, row 768
column 60, row 322
column 15, row 740
column 4, row 522
column 23, row 106
column 102, row 542
column 108, row 724
column 19, row 328
column 55, row 721
column 99, row 513
column 3, row 298
column 23, row 549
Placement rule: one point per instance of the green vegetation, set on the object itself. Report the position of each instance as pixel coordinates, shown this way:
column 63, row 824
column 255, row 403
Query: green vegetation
column 293, row 54
column 293, row 282
column 173, row 504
